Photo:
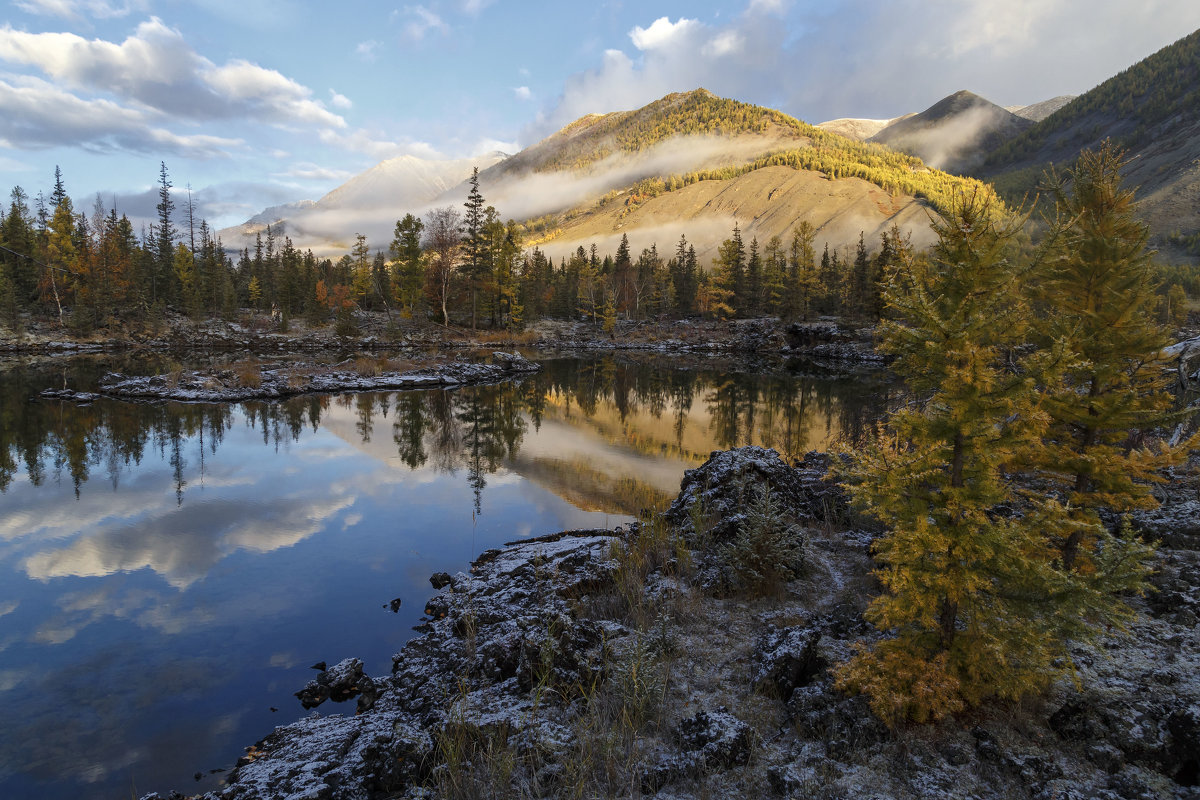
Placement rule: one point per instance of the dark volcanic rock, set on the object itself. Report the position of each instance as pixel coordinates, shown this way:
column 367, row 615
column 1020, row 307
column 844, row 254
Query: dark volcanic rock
column 717, row 492
column 786, row 659
column 338, row 683
column 274, row 382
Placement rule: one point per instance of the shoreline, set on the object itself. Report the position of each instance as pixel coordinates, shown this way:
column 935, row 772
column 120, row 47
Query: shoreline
column 609, row 659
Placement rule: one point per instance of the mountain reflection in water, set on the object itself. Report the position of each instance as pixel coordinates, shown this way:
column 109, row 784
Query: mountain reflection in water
column 170, row 570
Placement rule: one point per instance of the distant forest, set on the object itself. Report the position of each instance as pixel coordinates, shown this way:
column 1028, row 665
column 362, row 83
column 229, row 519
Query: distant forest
column 466, row 267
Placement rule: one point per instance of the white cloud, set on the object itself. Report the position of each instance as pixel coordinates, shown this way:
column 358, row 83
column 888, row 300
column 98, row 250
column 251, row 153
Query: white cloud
column 421, row 21
column 366, row 50
column 724, row 44
column 522, row 93
column 767, row 7
column 473, row 7
column 338, row 100
column 369, row 143
column 77, row 9
column 36, row 114
column 157, row 69
column 308, row 171
column 661, row 33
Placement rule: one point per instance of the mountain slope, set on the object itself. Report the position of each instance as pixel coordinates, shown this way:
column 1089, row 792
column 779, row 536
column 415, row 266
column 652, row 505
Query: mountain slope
column 369, row 203
column 1039, row 111
column 954, row 133
column 694, row 164
column 858, row 129
column 1152, row 110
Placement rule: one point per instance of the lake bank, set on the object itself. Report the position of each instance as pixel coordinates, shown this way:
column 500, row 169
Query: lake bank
column 629, row 662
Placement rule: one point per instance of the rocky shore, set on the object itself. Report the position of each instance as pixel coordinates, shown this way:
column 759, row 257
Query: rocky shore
column 252, row 381
column 834, row 340
column 662, row 661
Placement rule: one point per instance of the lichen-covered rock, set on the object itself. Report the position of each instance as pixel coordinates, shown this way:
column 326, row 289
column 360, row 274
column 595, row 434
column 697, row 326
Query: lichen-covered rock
column 274, row 382
column 788, row 658
column 715, row 495
column 339, row 683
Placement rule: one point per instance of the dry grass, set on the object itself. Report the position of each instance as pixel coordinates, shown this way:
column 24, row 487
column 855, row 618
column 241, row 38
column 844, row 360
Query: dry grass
column 505, row 337
column 248, row 372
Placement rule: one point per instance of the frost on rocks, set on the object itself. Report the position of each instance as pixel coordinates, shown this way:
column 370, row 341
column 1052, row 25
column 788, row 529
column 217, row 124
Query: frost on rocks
column 715, row 494
column 274, row 382
column 751, row 707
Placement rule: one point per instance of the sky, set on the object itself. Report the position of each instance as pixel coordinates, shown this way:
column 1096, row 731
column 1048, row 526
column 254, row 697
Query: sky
column 253, row 103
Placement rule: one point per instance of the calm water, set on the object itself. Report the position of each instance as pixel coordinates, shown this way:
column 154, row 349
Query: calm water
column 169, row 572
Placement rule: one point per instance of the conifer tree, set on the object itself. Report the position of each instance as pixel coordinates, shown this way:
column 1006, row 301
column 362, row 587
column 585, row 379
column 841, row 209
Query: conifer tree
column 1107, row 380
column 974, row 601
column 474, row 244
column 406, row 253
column 802, row 276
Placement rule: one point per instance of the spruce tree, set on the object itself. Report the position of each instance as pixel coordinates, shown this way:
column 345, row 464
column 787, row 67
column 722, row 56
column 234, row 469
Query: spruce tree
column 406, row 253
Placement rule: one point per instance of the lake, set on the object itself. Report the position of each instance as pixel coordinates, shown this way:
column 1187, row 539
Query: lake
column 169, row 572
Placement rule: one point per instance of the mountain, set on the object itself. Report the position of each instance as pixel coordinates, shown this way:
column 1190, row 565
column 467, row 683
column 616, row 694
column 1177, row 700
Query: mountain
column 369, row 203
column 695, row 164
column 1039, row 111
column 858, row 129
column 690, row 163
column 1152, row 111
column 954, row 133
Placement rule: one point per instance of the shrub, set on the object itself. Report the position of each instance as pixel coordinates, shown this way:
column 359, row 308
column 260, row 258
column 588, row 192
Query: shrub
column 767, row 552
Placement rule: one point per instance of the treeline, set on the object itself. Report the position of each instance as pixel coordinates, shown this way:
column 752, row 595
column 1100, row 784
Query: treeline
column 95, row 269
column 456, row 267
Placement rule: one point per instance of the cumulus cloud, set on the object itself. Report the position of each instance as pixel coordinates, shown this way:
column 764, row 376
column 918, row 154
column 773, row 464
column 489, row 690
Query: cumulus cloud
column 522, row 93
column 157, row 69
column 37, row 115
column 662, row 33
column 339, row 100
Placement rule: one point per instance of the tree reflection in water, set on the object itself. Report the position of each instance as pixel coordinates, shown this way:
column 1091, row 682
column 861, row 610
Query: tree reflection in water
column 647, row 407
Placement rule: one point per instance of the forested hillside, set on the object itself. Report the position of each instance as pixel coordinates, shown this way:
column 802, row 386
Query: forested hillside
column 1152, row 112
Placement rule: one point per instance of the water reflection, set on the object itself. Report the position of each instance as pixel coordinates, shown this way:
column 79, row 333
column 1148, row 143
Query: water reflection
column 168, row 571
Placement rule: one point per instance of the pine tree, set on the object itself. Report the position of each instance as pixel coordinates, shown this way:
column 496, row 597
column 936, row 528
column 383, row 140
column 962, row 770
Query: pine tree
column 730, row 278
column 974, row 600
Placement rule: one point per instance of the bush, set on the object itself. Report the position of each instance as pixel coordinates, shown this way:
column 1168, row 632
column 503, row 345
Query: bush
column 767, row 552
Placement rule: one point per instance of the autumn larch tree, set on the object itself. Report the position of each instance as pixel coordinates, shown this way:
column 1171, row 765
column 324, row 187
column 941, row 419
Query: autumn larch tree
column 1107, row 380
column 975, row 604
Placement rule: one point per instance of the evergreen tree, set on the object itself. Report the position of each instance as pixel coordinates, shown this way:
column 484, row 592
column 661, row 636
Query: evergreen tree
column 752, row 302
column 730, row 278
column 803, row 278
column 474, row 266
column 406, row 253
column 164, row 237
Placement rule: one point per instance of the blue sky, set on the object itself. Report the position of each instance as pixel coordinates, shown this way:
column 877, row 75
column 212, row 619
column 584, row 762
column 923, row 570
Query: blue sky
column 259, row 102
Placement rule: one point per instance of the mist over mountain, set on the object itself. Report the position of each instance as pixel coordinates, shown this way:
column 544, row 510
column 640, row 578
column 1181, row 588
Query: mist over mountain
column 369, row 203
column 954, row 133
column 694, row 164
